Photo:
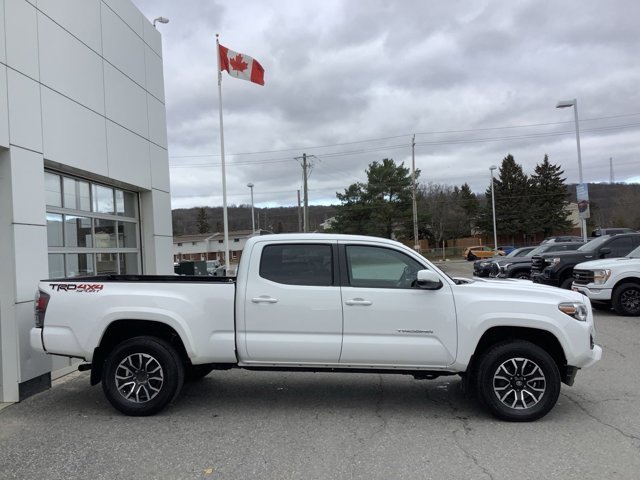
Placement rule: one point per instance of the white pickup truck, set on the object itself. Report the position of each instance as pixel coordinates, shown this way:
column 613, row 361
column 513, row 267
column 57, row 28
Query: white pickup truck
column 611, row 282
column 314, row 302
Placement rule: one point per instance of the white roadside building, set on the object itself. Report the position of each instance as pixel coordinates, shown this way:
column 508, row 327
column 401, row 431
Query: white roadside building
column 84, row 176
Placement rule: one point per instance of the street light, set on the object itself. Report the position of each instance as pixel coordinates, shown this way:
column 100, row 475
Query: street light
column 493, row 205
column 161, row 20
column 574, row 103
column 253, row 222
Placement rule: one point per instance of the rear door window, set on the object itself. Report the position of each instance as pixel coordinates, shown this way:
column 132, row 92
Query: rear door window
column 298, row 264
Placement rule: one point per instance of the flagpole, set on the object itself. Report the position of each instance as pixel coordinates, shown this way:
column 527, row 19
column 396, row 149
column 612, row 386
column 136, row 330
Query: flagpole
column 225, row 218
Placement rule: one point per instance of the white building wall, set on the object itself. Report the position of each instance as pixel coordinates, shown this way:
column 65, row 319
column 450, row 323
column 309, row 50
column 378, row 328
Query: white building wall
column 81, row 92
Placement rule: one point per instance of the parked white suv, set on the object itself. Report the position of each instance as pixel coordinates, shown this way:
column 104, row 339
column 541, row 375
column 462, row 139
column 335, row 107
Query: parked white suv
column 613, row 282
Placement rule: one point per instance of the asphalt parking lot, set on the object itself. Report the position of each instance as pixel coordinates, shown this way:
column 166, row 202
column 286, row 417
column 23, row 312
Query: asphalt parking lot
column 267, row 425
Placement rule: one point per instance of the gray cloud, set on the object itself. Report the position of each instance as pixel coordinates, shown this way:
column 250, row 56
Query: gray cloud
column 344, row 71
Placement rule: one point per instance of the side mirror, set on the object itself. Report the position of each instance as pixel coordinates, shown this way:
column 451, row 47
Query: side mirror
column 604, row 251
column 428, row 280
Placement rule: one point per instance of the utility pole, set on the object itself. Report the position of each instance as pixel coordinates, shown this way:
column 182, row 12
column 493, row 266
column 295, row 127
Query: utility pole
column 611, row 179
column 306, row 193
column 299, row 213
column 416, row 245
column 306, row 170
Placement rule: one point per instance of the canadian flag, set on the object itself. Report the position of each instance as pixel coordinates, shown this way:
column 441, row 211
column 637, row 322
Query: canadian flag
column 241, row 66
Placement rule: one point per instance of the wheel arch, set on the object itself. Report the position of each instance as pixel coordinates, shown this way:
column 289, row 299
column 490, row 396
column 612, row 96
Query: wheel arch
column 542, row 338
column 621, row 281
column 121, row 330
column 565, row 274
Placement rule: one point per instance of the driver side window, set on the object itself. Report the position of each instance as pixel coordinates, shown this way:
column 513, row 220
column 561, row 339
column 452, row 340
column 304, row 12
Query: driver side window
column 378, row 267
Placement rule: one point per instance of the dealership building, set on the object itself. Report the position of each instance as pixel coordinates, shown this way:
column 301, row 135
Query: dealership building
column 84, row 175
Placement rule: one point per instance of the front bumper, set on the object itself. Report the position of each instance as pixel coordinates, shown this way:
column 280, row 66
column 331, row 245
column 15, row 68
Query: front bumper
column 588, row 359
column 544, row 279
column 601, row 294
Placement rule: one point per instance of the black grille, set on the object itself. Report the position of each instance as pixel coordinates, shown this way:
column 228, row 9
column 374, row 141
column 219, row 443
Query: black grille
column 582, row 277
column 537, row 264
column 495, row 269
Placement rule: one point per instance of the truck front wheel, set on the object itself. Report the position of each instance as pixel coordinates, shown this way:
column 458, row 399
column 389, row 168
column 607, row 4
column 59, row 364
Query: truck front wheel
column 518, row 381
column 142, row 375
column 626, row 299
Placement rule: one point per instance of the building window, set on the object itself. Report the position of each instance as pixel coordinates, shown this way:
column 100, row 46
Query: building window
column 91, row 228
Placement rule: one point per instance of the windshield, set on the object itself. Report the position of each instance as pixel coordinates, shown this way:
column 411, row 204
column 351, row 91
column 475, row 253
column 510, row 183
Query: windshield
column 595, row 243
column 535, row 251
column 634, row 253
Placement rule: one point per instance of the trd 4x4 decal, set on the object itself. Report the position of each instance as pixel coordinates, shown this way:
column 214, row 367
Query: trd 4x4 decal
column 80, row 288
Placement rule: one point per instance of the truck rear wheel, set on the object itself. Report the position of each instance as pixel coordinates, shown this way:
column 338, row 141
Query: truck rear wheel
column 142, row 375
column 518, row 381
column 626, row 299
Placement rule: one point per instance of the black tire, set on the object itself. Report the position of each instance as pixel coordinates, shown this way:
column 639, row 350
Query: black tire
column 142, row 375
column 566, row 283
column 626, row 299
column 522, row 275
column 196, row 372
column 518, row 381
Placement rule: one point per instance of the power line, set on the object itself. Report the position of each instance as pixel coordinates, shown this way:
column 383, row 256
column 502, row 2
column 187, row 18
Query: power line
column 435, row 132
column 404, row 145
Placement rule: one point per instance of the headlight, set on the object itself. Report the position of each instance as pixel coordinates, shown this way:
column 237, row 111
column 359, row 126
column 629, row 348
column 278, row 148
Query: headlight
column 576, row 310
column 554, row 261
column 485, row 264
column 600, row 277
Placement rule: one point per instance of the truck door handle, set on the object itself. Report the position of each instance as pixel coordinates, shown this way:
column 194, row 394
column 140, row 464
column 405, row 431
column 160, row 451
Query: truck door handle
column 264, row 299
column 359, row 301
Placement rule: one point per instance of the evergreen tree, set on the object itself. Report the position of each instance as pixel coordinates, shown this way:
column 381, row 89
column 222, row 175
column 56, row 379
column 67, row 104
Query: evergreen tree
column 382, row 206
column 512, row 199
column 202, row 222
column 549, row 199
column 470, row 205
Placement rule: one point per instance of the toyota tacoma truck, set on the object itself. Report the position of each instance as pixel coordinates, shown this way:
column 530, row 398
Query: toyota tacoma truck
column 556, row 269
column 319, row 302
column 611, row 283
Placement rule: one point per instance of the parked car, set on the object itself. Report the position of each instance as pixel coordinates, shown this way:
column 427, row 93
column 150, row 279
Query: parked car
column 480, row 251
column 562, row 238
column 556, row 269
column 507, row 249
column 598, row 232
column 521, row 267
column 482, row 267
column 614, row 282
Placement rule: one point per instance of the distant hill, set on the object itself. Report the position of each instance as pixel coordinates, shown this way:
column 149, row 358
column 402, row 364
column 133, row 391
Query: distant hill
column 278, row 220
column 612, row 204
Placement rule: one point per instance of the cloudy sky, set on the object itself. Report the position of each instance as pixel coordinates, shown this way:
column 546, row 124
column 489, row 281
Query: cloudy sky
column 349, row 82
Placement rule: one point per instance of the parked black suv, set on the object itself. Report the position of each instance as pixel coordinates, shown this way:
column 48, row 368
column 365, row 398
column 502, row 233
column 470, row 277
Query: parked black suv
column 556, row 269
column 521, row 267
column 482, row 267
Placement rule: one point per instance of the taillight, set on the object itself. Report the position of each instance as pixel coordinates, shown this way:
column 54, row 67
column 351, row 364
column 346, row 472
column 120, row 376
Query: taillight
column 42, row 300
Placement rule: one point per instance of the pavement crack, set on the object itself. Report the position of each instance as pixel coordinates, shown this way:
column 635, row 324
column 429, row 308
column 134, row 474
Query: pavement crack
column 466, row 430
column 629, row 436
